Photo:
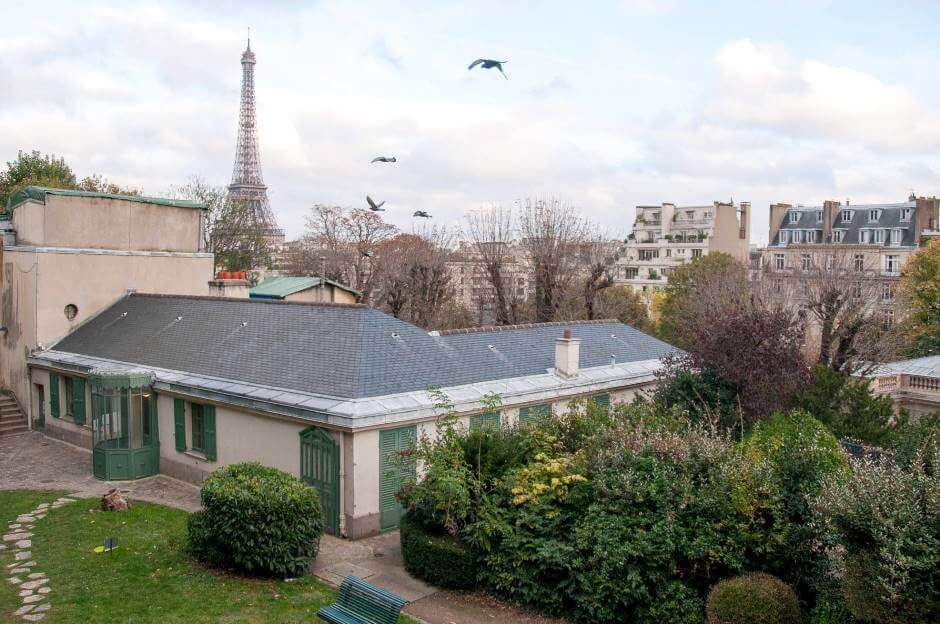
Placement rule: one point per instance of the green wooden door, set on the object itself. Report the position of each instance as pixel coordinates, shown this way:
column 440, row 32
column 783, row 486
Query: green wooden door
column 319, row 468
column 393, row 471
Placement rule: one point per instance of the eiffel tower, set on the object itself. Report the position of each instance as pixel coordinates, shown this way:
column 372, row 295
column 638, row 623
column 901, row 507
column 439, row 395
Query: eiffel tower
column 247, row 184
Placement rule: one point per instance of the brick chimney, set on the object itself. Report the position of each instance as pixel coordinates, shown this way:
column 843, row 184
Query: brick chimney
column 830, row 214
column 927, row 214
column 777, row 214
column 229, row 284
column 567, row 356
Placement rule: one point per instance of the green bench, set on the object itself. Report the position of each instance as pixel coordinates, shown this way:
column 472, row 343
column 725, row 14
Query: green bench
column 362, row 603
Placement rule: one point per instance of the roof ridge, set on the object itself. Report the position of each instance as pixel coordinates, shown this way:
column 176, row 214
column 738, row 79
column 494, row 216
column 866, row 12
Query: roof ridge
column 38, row 193
column 323, row 304
column 500, row 328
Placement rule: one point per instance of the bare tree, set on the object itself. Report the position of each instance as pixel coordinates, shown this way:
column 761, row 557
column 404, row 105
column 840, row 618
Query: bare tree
column 490, row 232
column 415, row 283
column 550, row 234
column 349, row 241
column 596, row 259
column 845, row 308
column 237, row 243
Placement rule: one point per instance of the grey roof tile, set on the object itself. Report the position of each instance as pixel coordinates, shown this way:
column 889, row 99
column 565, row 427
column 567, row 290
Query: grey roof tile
column 346, row 351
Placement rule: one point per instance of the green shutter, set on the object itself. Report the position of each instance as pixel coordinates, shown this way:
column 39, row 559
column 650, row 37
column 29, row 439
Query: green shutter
column 602, row 401
column 54, row 395
column 490, row 420
column 208, row 431
column 179, row 424
column 154, row 420
column 78, row 400
column 527, row 414
column 392, row 471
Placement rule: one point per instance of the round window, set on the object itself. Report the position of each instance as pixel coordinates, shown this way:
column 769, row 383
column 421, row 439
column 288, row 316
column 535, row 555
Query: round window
column 71, row 311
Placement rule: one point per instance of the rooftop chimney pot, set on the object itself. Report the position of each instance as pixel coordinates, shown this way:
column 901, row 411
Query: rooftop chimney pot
column 567, row 356
column 567, row 334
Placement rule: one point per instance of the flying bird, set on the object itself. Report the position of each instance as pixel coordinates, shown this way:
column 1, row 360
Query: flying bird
column 385, row 159
column 422, row 214
column 367, row 253
column 490, row 64
column 374, row 207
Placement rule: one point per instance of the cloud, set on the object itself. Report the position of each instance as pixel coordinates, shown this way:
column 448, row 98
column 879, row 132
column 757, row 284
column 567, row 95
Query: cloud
column 764, row 86
column 380, row 49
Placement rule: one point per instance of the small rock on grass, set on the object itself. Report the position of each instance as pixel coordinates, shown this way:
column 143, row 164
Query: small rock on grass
column 33, row 598
column 34, row 617
column 24, row 609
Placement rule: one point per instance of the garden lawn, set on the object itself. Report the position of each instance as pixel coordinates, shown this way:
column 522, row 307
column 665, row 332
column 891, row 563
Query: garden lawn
column 149, row 577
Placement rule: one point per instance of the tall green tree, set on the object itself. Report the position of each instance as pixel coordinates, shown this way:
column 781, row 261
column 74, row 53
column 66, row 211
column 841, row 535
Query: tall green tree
column 920, row 287
column 35, row 169
column 683, row 291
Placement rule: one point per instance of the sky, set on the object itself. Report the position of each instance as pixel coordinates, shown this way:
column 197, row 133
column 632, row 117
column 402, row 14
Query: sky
column 609, row 104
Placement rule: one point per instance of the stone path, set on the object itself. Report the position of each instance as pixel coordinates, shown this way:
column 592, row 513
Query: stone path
column 31, row 461
column 33, row 584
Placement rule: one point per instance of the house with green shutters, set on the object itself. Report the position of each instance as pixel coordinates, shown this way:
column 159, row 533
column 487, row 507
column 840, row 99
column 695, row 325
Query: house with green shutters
column 180, row 385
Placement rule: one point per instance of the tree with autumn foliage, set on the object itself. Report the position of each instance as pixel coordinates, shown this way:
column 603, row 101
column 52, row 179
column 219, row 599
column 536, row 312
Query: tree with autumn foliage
column 920, row 289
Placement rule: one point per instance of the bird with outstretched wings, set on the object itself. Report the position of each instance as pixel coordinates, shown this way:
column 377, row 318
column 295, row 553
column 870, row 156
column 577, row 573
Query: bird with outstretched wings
column 367, row 253
column 422, row 214
column 384, row 159
column 374, row 207
column 490, row 64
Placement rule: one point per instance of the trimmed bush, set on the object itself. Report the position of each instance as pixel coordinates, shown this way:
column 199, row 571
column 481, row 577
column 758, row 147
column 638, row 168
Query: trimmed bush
column 752, row 599
column 257, row 520
column 435, row 557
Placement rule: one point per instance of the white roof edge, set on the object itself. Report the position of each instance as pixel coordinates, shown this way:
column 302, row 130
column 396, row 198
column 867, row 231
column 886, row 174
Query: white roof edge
column 370, row 411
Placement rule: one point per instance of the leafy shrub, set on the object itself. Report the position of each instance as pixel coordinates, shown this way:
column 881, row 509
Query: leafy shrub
column 802, row 455
column 847, row 406
column 703, row 394
column 258, row 520
column 753, row 599
column 919, row 442
column 888, row 519
column 436, row 557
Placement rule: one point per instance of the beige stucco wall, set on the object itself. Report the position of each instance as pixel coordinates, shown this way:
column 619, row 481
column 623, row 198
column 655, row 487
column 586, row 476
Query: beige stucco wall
column 37, row 285
column 62, row 428
column 329, row 294
column 726, row 235
column 96, row 223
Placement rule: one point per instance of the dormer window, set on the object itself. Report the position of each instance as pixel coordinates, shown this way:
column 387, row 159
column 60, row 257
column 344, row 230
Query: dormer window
column 838, row 236
column 794, row 217
column 810, row 236
column 874, row 215
column 819, row 216
column 906, row 214
column 784, row 237
column 847, row 216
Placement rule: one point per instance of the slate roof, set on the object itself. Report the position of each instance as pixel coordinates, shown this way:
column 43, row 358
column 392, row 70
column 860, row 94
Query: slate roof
column 924, row 367
column 349, row 351
column 278, row 287
column 890, row 218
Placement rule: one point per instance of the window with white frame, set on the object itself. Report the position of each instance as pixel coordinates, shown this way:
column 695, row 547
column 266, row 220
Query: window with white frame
column 838, row 236
column 859, row 262
column 830, row 262
column 857, row 290
column 797, row 236
column 847, row 216
column 784, row 237
column 874, row 215
column 810, row 236
column 879, row 236
column 864, row 236
column 778, row 286
column 887, row 292
column 819, row 216
column 780, row 261
column 897, row 235
column 887, row 318
column 892, row 264
column 806, row 262
column 906, row 214
column 794, row 216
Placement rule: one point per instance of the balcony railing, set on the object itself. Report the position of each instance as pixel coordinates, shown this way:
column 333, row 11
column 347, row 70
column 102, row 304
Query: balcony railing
column 924, row 384
column 681, row 222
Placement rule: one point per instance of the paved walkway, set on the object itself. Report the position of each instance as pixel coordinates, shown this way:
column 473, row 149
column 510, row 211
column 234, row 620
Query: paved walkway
column 34, row 462
column 31, row 461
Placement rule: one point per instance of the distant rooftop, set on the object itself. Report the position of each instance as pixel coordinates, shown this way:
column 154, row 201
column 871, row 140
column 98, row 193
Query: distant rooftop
column 283, row 286
column 38, row 193
column 923, row 367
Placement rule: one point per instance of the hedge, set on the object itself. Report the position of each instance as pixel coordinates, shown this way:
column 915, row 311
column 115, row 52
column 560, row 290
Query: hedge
column 257, row 520
column 752, row 599
column 436, row 558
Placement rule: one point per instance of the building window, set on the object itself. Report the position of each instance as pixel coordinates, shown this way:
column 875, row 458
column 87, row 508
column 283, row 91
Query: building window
column 887, row 319
column 778, row 286
column 794, row 217
column 830, row 262
column 857, row 290
column 534, row 412
column 669, row 253
column 859, row 262
column 887, row 292
column 696, row 253
column 906, row 214
column 896, row 235
column 784, row 237
column 819, row 216
column 810, row 236
column 874, row 215
column 779, row 261
column 489, row 420
column 69, row 396
column 649, row 254
column 806, row 262
column 892, row 264
column 838, row 236
column 631, row 272
column 847, row 216
column 864, row 236
column 198, row 428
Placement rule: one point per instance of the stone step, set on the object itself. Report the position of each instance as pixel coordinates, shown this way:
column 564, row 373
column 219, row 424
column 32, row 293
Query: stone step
column 8, row 430
column 17, row 417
